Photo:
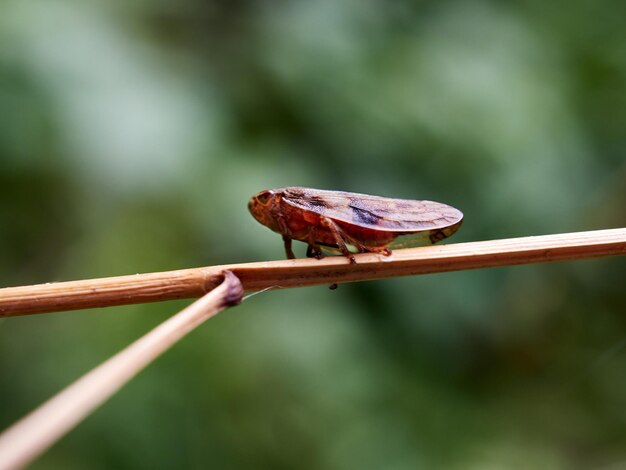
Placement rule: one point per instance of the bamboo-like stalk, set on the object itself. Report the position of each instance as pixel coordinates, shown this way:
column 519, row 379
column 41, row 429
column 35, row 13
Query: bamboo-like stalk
column 195, row 282
column 31, row 436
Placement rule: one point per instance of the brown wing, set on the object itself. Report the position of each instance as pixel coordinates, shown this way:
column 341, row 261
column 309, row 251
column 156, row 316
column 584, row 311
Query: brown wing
column 374, row 212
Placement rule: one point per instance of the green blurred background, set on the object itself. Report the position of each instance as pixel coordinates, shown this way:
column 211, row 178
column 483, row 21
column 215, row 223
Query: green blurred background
column 133, row 133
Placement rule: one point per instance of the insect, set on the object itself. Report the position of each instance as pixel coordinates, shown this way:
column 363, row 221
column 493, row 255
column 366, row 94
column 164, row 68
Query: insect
column 337, row 220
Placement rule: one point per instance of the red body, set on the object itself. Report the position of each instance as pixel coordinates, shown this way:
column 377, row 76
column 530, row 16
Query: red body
column 337, row 218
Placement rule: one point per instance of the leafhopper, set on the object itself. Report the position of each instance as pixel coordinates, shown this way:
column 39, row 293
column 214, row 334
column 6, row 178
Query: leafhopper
column 337, row 220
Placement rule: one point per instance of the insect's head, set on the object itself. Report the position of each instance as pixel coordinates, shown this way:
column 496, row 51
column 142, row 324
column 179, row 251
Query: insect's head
column 260, row 206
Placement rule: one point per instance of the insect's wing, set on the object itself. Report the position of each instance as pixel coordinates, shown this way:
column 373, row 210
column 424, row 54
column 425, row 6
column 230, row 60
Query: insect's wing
column 374, row 212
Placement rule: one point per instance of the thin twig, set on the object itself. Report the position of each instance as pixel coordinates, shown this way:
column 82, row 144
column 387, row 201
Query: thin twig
column 195, row 282
column 36, row 432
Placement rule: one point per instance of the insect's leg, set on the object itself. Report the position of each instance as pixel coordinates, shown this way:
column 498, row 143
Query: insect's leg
column 336, row 231
column 284, row 229
column 314, row 251
column 436, row 236
column 366, row 249
column 288, row 250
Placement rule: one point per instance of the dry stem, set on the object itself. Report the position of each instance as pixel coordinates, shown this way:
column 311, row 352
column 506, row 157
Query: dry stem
column 195, row 282
column 33, row 434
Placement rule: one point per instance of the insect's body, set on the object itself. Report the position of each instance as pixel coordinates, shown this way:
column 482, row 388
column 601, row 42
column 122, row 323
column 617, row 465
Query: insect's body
column 336, row 218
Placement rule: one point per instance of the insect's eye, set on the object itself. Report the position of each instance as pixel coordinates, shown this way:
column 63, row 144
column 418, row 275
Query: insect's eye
column 264, row 197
